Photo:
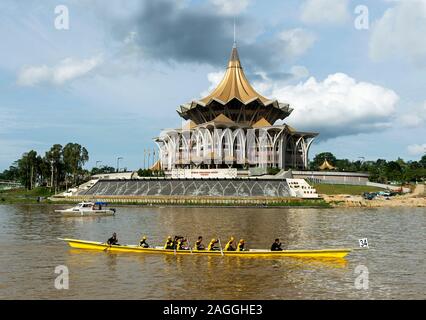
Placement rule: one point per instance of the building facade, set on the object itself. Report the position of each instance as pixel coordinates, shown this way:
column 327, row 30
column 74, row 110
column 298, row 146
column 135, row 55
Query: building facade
column 234, row 127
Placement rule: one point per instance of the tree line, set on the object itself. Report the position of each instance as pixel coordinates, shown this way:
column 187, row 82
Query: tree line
column 381, row 170
column 60, row 167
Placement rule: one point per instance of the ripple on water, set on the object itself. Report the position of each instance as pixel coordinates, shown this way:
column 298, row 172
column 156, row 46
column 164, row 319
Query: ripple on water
column 395, row 261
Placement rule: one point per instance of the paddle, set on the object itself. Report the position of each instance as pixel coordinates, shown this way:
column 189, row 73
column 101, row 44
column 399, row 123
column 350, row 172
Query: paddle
column 189, row 244
column 220, row 244
column 109, row 246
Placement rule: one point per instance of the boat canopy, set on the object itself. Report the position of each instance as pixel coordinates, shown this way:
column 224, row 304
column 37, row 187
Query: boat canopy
column 100, row 203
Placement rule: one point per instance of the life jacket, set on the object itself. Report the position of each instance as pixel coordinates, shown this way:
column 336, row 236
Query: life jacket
column 211, row 245
column 169, row 244
column 240, row 246
column 229, row 246
column 143, row 243
column 180, row 244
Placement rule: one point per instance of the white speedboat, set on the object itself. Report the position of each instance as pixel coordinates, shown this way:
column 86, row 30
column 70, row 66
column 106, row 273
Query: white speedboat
column 89, row 209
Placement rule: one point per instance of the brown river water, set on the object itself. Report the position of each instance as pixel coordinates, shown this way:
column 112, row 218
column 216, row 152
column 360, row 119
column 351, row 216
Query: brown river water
column 395, row 260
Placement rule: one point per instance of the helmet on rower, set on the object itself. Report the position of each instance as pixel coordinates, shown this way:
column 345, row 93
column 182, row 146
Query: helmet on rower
column 211, row 246
column 230, row 245
column 240, row 246
column 143, row 243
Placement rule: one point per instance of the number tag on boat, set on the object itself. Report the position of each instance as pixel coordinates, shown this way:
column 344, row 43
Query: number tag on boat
column 363, row 243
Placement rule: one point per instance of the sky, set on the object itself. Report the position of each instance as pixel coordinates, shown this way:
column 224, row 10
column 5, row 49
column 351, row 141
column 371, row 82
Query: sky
column 111, row 74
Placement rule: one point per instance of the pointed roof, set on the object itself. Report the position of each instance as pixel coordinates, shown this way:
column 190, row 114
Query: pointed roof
column 234, row 84
column 156, row 166
column 326, row 166
column 231, row 97
column 189, row 125
column 222, row 118
column 261, row 123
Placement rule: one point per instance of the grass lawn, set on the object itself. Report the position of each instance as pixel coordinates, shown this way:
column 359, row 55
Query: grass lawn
column 331, row 189
column 23, row 195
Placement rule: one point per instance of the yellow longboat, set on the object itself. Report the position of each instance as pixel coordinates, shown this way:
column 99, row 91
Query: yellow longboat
column 255, row 253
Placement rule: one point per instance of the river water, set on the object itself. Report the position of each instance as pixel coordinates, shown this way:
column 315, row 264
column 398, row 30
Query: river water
column 395, row 261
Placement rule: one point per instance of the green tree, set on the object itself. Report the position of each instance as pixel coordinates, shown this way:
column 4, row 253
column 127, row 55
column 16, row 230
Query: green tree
column 54, row 159
column 74, row 157
column 28, row 169
column 423, row 161
column 102, row 170
column 393, row 171
column 11, row 174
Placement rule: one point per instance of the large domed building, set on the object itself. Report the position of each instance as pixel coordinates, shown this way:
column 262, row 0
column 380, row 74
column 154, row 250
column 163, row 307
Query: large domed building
column 234, row 128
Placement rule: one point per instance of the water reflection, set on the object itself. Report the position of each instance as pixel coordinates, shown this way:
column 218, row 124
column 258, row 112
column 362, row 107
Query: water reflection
column 26, row 271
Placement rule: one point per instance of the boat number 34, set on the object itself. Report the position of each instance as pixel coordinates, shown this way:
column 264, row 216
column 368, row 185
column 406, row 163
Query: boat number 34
column 363, row 243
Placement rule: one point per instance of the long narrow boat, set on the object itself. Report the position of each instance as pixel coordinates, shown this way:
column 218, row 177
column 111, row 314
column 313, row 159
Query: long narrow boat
column 258, row 253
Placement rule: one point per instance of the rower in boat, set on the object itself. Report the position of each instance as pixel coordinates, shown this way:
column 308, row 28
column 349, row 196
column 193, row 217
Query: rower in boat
column 182, row 244
column 169, row 243
column 176, row 241
column 276, row 246
column 143, row 243
column 230, row 245
column 199, row 244
column 113, row 240
column 240, row 246
column 212, row 245
column 338, row 253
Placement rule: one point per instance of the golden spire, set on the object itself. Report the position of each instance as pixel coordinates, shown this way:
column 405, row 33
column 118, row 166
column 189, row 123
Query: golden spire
column 234, row 84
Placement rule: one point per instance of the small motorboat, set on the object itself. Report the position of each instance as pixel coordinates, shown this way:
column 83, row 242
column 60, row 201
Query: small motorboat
column 88, row 209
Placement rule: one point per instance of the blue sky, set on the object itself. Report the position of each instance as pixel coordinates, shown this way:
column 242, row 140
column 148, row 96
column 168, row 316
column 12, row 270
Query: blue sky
column 114, row 79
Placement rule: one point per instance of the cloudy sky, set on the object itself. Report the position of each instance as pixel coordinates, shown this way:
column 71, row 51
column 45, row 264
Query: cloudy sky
column 113, row 80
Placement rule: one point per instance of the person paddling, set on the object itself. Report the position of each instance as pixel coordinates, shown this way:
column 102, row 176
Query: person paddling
column 169, row 245
column 143, row 243
column 276, row 246
column 176, row 241
column 199, row 244
column 230, row 245
column 212, row 245
column 240, row 246
column 113, row 240
column 182, row 244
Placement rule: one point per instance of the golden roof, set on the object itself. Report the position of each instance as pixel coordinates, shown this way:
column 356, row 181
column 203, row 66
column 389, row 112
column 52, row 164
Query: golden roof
column 261, row 123
column 156, row 166
column 234, row 85
column 189, row 125
column 222, row 118
column 326, row 166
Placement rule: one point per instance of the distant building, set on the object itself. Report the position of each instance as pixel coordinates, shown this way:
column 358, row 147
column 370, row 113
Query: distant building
column 234, row 127
column 326, row 166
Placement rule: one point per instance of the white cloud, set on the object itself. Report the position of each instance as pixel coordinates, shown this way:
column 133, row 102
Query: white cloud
column 67, row 70
column 299, row 72
column 417, row 149
column 231, row 7
column 414, row 118
column 297, row 41
column 411, row 120
column 400, row 32
column 338, row 106
column 328, row 12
